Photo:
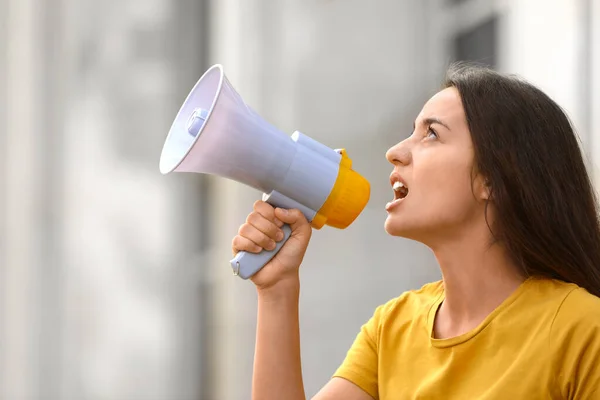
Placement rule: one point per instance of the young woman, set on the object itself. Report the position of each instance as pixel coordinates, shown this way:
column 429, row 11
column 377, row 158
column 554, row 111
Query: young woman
column 493, row 181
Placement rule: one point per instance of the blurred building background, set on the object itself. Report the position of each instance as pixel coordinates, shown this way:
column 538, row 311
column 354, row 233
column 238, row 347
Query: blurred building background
column 114, row 279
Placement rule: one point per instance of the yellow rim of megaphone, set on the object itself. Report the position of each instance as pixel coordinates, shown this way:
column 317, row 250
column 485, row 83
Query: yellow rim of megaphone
column 349, row 196
column 185, row 103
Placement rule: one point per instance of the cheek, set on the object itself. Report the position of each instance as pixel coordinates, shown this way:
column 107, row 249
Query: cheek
column 448, row 168
column 443, row 187
column 445, row 196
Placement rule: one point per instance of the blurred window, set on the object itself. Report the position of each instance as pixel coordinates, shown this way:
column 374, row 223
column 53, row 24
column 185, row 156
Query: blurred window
column 478, row 44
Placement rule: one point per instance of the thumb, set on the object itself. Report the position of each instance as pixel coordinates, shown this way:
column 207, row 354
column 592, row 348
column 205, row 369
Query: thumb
column 294, row 218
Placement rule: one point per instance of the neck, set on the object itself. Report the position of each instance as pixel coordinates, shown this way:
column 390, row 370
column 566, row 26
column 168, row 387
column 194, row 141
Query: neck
column 477, row 276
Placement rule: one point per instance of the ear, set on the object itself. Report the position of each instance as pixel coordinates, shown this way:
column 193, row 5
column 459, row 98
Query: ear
column 483, row 188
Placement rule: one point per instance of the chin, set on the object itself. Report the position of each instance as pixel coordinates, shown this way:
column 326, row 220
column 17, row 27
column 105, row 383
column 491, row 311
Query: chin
column 394, row 227
column 412, row 230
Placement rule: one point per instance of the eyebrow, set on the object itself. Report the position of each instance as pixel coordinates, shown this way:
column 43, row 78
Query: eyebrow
column 433, row 120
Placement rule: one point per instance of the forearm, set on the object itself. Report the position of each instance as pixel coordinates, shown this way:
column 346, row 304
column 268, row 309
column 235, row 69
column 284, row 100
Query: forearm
column 277, row 365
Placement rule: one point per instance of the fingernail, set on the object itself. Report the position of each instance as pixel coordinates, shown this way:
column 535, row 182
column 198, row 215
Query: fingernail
column 284, row 211
column 272, row 245
column 279, row 236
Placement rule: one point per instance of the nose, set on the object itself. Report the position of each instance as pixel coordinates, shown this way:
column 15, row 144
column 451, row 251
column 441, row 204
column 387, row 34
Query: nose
column 399, row 154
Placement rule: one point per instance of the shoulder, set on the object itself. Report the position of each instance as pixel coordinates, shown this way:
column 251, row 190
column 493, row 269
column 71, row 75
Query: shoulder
column 411, row 302
column 575, row 334
column 578, row 308
column 575, row 325
column 557, row 300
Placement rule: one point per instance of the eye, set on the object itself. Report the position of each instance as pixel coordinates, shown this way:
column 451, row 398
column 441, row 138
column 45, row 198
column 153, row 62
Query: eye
column 431, row 134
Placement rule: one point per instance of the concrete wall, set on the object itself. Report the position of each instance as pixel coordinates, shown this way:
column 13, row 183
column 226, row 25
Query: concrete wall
column 99, row 292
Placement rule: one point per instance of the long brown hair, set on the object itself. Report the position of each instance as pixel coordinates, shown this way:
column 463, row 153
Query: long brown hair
column 545, row 205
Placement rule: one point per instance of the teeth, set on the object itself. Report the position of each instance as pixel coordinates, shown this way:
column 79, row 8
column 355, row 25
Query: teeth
column 397, row 185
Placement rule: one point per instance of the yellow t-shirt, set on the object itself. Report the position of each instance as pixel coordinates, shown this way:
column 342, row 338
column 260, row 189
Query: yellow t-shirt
column 543, row 342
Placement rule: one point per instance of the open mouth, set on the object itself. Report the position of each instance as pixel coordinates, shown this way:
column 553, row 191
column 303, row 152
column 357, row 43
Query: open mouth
column 400, row 190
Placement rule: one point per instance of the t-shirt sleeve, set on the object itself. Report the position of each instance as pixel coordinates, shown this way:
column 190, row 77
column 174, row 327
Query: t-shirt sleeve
column 361, row 362
column 576, row 333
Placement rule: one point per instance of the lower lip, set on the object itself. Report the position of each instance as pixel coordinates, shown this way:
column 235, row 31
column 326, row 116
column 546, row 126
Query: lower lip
column 392, row 204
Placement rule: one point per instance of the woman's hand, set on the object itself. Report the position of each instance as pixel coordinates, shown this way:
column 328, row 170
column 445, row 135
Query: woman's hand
column 261, row 230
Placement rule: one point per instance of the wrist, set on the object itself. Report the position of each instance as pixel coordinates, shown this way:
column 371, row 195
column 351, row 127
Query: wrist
column 288, row 288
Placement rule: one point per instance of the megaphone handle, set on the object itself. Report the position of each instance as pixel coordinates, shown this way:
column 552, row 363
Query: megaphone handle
column 246, row 264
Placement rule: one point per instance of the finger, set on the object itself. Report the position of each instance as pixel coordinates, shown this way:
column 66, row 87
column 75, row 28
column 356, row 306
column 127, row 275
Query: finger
column 259, row 238
column 265, row 226
column 278, row 222
column 294, row 218
column 264, row 209
column 240, row 243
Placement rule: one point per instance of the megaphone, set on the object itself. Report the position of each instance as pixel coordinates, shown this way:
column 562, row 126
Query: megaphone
column 216, row 133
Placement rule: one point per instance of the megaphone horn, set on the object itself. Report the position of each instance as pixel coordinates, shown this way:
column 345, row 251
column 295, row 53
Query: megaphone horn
column 216, row 133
